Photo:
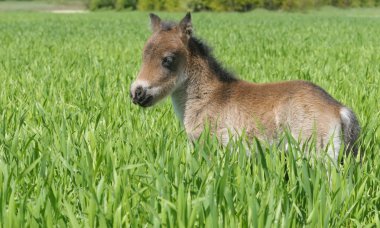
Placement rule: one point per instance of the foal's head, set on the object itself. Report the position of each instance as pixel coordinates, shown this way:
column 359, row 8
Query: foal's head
column 164, row 61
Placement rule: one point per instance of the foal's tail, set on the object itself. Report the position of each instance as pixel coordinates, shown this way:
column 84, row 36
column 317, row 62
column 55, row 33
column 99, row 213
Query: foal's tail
column 351, row 130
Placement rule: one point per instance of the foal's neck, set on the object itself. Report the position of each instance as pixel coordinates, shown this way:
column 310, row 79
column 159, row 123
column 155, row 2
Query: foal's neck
column 195, row 89
column 205, row 77
column 196, row 92
column 179, row 97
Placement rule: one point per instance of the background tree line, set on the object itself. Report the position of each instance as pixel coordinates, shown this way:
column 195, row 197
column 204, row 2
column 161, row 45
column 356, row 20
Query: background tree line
column 225, row 5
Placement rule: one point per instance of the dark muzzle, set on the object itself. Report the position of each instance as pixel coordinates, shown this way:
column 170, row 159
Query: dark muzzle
column 140, row 97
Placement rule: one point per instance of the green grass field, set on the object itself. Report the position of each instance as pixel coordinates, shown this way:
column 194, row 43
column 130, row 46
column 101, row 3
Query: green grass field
column 74, row 150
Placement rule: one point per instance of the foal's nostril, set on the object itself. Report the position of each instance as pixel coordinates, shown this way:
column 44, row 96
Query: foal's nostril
column 140, row 93
column 141, row 96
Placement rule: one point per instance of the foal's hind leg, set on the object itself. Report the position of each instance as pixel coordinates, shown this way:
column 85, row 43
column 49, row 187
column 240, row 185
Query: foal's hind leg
column 333, row 141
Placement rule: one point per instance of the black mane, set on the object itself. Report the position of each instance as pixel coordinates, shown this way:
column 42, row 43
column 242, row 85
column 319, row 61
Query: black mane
column 197, row 47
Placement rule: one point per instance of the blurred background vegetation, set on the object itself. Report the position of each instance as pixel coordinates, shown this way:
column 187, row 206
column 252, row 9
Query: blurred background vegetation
column 214, row 5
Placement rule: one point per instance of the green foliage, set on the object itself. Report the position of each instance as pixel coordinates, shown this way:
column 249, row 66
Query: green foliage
column 232, row 5
column 120, row 4
column 113, row 4
column 96, row 4
column 148, row 5
column 125, row 4
column 199, row 5
column 215, row 5
column 74, row 150
column 164, row 5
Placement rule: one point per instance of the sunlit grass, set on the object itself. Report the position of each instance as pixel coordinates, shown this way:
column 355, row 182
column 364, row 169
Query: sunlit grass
column 74, row 151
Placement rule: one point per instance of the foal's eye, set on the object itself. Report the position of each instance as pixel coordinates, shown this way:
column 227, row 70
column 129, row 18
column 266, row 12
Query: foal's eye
column 168, row 62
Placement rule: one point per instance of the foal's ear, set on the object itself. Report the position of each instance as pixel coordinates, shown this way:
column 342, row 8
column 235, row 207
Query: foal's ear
column 155, row 22
column 186, row 26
